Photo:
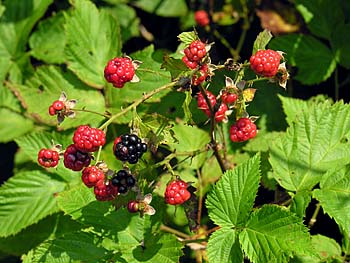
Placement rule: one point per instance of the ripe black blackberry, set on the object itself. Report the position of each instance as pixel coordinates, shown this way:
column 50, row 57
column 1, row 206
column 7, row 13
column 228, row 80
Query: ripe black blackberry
column 129, row 147
column 124, row 181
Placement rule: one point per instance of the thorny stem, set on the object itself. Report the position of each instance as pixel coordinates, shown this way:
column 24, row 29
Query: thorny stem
column 314, row 215
column 137, row 102
column 200, row 201
column 213, row 142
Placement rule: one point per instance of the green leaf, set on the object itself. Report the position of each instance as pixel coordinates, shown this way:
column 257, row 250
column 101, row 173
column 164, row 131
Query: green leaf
column 262, row 40
column 51, row 226
column 8, row 100
column 167, row 8
column 334, row 196
column 72, row 201
column 223, row 246
column 232, row 198
column 16, row 23
column 190, row 138
column 340, row 42
column 317, row 141
column 186, row 107
column 93, row 38
column 301, row 51
column 327, row 250
column 72, row 247
column 13, row 125
column 128, row 20
column 273, row 234
column 187, row 37
column 26, row 198
column 322, row 16
column 48, row 41
column 46, row 86
column 176, row 67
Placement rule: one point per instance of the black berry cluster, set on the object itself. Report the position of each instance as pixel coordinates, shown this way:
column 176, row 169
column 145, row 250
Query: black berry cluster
column 124, row 181
column 129, row 147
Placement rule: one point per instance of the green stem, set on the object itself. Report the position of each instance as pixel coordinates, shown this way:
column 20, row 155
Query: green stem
column 314, row 216
column 137, row 102
column 225, row 43
column 90, row 111
column 174, row 231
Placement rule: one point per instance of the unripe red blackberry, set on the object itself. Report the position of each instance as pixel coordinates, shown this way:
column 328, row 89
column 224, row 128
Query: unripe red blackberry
column 75, row 159
column 196, row 51
column 265, row 62
column 105, row 191
column 92, row 176
column 55, row 107
column 220, row 114
column 190, row 64
column 88, row 139
column 176, row 192
column 228, row 97
column 48, row 158
column 202, row 103
column 203, row 74
column 243, row 130
column 129, row 147
column 118, row 71
column 201, row 17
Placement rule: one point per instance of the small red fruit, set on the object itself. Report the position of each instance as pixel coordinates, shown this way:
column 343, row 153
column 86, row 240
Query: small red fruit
column 55, row 107
column 201, row 17
column 220, row 114
column 196, row 51
column 203, row 74
column 92, row 176
column 189, row 64
column 228, row 97
column 87, row 139
column 118, row 71
column 202, row 103
column 48, row 158
column 176, row 192
column 133, row 206
column 105, row 191
column 243, row 130
column 265, row 62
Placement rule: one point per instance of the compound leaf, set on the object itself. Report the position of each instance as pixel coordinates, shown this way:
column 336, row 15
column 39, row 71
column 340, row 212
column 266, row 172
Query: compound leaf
column 232, row 198
column 26, row 198
column 273, row 234
column 223, row 246
column 93, row 38
column 317, row 141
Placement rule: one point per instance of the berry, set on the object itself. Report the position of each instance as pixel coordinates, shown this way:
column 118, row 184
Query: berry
column 124, row 181
column 176, row 192
column 196, row 51
column 220, row 114
column 133, row 206
column 129, row 148
column 228, row 97
column 105, row 191
column 92, row 176
column 75, row 159
column 201, row 17
column 202, row 103
column 203, row 74
column 88, row 139
column 190, row 64
column 48, row 158
column 119, row 71
column 265, row 62
column 55, row 107
column 243, row 130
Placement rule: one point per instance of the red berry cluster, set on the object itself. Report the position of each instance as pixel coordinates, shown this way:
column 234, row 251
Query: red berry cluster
column 176, row 192
column 48, row 158
column 105, row 191
column 265, row 62
column 201, row 75
column 85, row 140
column 220, row 111
column 243, row 130
column 56, row 107
column 118, row 71
column 194, row 53
column 201, row 17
